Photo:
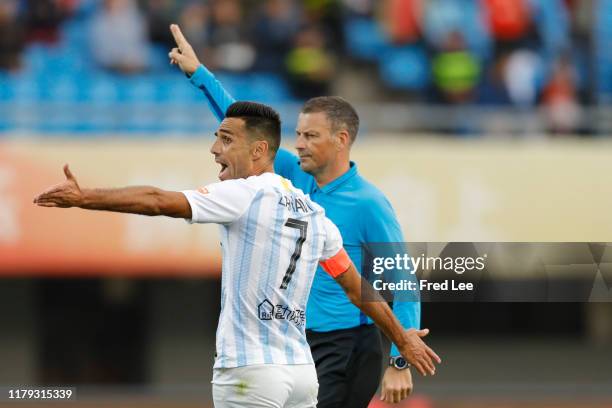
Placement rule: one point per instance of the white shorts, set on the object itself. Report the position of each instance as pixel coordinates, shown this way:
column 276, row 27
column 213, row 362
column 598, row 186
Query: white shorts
column 266, row 385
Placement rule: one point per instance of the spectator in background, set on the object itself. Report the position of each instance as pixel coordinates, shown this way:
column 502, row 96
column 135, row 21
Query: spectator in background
column 493, row 90
column 230, row 51
column 403, row 20
column 42, row 19
column 582, row 15
column 194, row 19
column 560, row 98
column 456, row 71
column 159, row 15
column 509, row 22
column 310, row 66
column 359, row 8
column 119, row 37
column 521, row 75
column 328, row 16
column 441, row 18
column 273, row 30
column 11, row 36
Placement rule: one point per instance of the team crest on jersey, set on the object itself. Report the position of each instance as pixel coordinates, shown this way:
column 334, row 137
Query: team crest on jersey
column 285, row 184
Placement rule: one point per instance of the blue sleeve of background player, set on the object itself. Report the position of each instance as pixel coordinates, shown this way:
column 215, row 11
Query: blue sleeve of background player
column 218, row 98
column 382, row 226
column 285, row 164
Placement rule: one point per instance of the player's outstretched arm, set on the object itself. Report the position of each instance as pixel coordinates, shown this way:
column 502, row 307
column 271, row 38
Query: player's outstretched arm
column 185, row 57
column 408, row 341
column 135, row 200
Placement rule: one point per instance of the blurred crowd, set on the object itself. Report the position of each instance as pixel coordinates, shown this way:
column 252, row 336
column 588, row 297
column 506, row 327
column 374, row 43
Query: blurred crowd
column 230, row 35
column 520, row 53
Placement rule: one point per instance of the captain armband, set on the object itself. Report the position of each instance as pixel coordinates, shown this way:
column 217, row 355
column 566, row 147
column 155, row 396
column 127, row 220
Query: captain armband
column 337, row 264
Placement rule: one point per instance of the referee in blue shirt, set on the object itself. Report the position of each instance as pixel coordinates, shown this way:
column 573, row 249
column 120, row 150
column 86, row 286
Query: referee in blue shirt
column 345, row 345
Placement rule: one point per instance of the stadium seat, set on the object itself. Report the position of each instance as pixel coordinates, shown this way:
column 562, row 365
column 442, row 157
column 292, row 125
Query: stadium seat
column 138, row 89
column 405, row 68
column 61, row 89
column 602, row 36
column 268, row 88
column 100, row 89
column 6, row 87
column 364, row 38
column 552, row 21
column 25, row 90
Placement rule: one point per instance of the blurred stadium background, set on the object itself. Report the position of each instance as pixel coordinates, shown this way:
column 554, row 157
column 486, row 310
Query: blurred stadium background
column 483, row 120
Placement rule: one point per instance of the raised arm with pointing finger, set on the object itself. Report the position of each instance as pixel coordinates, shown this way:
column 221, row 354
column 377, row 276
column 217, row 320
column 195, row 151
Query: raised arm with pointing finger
column 185, row 57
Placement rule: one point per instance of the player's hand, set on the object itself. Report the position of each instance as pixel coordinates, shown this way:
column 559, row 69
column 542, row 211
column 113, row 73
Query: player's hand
column 396, row 385
column 418, row 353
column 183, row 54
column 65, row 195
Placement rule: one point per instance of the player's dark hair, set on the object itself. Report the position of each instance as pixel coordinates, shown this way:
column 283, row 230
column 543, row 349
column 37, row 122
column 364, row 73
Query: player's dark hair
column 260, row 121
column 340, row 113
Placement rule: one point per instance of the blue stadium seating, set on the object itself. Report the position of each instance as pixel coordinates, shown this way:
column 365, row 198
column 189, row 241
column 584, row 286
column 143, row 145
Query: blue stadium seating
column 405, row 68
column 602, row 36
column 365, row 38
column 58, row 79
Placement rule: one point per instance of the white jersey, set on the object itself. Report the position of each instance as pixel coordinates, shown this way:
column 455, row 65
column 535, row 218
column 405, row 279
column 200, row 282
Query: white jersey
column 273, row 237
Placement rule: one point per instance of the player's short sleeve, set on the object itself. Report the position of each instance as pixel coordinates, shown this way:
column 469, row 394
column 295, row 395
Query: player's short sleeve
column 334, row 259
column 333, row 240
column 221, row 203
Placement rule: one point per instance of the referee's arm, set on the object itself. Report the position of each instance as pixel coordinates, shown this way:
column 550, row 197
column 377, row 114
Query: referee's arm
column 383, row 227
column 362, row 294
column 185, row 57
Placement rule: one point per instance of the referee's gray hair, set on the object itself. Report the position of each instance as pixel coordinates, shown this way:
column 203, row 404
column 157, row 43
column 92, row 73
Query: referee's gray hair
column 340, row 113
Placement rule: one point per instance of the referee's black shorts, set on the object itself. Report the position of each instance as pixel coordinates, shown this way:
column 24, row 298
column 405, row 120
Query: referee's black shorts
column 348, row 365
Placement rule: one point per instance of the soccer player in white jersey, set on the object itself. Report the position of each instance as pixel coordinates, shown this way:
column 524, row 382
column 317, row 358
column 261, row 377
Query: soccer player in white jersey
column 273, row 237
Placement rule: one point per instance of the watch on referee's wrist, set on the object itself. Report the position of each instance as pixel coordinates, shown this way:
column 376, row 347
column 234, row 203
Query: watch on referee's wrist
column 399, row 362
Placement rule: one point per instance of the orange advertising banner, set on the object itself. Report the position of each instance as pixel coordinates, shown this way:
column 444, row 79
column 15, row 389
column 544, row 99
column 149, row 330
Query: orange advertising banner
column 57, row 241
column 442, row 190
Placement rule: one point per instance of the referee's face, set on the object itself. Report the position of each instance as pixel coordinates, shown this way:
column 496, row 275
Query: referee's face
column 232, row 150
column 315, row 142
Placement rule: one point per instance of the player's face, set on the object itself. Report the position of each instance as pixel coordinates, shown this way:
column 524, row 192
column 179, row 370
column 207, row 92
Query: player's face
column 315, row 142
column 232, row 150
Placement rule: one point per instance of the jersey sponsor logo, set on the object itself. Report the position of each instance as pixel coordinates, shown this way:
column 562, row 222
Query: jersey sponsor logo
column 265, row 310
column 268, row 311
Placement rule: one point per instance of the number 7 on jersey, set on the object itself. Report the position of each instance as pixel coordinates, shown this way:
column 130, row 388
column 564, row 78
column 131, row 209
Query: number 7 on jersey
column 302, row 226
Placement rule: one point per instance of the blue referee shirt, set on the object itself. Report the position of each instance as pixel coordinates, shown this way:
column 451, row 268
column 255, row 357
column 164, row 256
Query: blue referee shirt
column 360, row 211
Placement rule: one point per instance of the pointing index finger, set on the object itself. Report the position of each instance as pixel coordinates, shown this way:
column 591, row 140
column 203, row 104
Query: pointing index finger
column 178, row 36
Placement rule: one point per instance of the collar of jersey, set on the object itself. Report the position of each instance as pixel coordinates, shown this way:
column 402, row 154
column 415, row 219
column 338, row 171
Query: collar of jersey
column 329, row 187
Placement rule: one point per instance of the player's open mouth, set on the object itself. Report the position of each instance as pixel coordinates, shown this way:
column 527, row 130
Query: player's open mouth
column 223, row 170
